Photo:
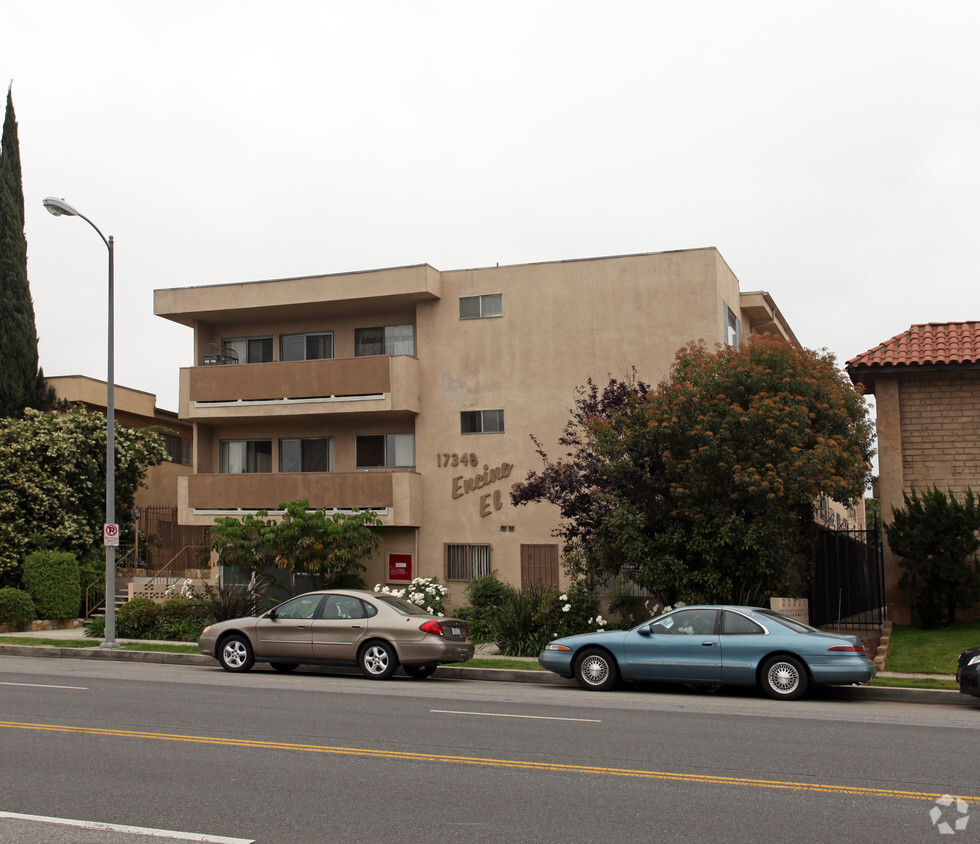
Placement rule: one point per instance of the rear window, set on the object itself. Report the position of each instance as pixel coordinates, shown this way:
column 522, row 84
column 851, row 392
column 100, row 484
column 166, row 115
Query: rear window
column 401, row 605
column 786, row 621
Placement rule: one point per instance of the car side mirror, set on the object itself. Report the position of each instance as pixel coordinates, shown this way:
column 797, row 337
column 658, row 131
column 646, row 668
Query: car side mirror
column 645, row 630
column 272, row 615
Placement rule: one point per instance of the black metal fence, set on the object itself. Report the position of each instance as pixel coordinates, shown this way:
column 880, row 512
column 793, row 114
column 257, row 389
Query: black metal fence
column 848, row 587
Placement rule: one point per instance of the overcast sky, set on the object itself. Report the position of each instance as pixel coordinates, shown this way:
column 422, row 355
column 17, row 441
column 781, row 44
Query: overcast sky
column 828, row 150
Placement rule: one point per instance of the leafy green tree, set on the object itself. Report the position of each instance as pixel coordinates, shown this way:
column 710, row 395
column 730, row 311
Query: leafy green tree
column 703, row 489
column 53, row 491
column 303, row 541
column 590, row 485
column 936, row 536
column 22, row 383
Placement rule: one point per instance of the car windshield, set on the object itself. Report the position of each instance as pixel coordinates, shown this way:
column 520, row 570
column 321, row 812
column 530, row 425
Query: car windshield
column 786, row 621
column 401, row 605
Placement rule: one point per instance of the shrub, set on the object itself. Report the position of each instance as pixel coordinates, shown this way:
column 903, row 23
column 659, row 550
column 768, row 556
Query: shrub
column 179, row 608
column 232, row 600
column 345, row 580
column 485, row 594
column 52, row 579
column 181, row 629
column 138, row 619
column 515, row 624
column 425, row 592
column 573, row 611
column 95, row 627
column 16, row 607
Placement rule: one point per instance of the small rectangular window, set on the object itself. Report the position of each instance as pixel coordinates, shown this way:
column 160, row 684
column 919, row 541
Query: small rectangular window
column 385, row 451
column 733, row 328
column 481, row 307
column 249, row 349
column 315, row 346
column 467, row 562
column 245, row 456
column 384, row 340
column 179, row 450
column 314, row 454
column 481, row 422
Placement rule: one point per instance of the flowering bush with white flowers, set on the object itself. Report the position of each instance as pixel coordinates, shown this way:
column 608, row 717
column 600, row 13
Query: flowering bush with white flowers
column 425, row 592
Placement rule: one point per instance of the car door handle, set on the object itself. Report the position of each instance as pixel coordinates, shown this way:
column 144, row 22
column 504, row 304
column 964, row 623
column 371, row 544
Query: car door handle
column 708, row 644
column 301, row 626
column 355, row 627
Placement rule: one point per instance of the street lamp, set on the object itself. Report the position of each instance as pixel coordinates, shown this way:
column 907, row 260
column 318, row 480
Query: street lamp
column 58, row 207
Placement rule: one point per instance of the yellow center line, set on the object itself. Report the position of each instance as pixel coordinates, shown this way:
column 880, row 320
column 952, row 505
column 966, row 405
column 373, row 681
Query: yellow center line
column 557, row 767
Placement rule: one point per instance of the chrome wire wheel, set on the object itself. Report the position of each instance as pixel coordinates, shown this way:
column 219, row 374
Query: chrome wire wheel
column 784, row 678
column 596, row 671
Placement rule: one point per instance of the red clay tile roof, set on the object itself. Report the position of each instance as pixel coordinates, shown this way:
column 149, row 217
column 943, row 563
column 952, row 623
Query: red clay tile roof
column 929, row 343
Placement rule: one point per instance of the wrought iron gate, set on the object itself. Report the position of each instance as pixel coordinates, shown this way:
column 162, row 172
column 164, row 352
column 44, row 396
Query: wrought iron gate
column 848, row 586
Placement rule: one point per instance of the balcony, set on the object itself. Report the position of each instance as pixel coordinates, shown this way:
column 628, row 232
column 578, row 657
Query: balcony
column 397, row 496
column 299, row 388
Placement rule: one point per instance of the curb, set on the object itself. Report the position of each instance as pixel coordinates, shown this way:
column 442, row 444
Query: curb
column 878, row 694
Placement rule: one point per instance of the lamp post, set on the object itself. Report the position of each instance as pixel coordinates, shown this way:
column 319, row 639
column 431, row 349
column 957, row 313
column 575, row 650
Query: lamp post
column 58, row 207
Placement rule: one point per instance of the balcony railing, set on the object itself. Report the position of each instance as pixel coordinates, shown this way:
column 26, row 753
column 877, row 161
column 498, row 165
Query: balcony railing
column 396, row 496
column 336, row 385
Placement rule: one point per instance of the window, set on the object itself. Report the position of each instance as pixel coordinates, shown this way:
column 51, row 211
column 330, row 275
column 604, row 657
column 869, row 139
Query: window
column 467, row 562
column 481, row 307
column 733, row 328
column 317, row 346
column 736, row 624
column 179, row 450
column 302, row 607
column 385, row 340
column 250, row 349
column 481, row 422
column 344, row 607
column 314, row 454
column 686, row 623
column 245, row 456
column 387, row 450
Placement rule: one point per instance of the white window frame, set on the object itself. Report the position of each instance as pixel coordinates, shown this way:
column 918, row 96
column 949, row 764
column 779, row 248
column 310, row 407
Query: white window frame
column 305, row 335
column 396, row 451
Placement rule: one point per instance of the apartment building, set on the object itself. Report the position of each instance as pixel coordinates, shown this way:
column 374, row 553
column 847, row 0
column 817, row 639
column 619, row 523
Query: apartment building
column 415, row 392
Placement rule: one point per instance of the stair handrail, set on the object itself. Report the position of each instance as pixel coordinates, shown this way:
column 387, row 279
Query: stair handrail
column 162, row 573
column 91, row 607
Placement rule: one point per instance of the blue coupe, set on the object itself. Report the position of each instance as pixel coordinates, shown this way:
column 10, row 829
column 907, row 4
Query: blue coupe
column 713, row 646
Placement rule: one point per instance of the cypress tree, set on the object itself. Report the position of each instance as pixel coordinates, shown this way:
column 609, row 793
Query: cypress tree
column 22, row 382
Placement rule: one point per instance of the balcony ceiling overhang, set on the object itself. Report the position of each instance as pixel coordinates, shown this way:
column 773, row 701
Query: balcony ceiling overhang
column 342, row 293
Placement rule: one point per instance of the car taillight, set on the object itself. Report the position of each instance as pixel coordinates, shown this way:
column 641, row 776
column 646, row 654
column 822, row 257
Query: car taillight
column 851, row 649
column 433, row 627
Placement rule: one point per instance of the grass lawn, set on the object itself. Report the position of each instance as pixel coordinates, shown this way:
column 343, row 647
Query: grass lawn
column 916, row 651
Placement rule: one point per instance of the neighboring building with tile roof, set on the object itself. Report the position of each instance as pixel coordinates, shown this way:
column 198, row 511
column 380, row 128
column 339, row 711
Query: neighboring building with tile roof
column 926, row 384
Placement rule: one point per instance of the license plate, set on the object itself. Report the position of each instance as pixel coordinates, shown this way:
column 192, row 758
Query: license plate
column 456, row 631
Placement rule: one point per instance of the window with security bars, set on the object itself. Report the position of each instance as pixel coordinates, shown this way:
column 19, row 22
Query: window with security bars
column 467, row 562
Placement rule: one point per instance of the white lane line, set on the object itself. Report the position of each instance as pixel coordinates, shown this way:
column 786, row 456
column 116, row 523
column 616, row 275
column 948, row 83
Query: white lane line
column 47, row 686
column 132, row 830
column 503, row 715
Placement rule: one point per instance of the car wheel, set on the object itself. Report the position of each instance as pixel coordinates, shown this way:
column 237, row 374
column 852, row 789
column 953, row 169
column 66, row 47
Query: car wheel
column 784, row 678
column 378, row 660
column 596, row 670
column 420, row 672
column 235, row 653
column 285, row 667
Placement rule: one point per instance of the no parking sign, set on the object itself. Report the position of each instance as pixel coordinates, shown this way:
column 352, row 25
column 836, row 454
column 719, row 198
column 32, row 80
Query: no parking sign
column 110, row 535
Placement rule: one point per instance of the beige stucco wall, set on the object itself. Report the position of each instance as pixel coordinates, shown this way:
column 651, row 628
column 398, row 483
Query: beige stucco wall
column 562, row 323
